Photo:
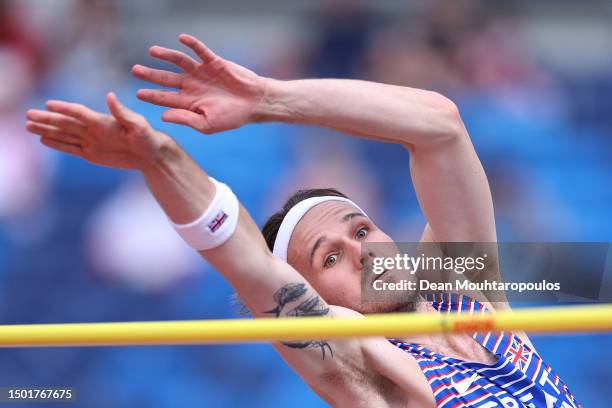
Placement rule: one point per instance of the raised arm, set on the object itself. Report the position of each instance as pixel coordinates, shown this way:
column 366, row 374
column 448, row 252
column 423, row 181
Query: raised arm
column 125, row 140
column 448, row 178
column 215, row 95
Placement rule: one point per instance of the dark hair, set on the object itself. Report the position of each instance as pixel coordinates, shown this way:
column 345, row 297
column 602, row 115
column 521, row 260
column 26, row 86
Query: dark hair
column 270, row 228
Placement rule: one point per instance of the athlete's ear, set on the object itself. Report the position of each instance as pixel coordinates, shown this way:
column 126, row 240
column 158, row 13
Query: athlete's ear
column 123, row 115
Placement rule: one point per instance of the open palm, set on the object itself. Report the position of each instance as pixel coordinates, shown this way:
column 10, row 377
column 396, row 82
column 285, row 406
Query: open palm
column 212, row 96
column 123, row 139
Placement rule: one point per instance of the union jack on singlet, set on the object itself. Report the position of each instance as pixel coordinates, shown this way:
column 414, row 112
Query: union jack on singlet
column 520, row 378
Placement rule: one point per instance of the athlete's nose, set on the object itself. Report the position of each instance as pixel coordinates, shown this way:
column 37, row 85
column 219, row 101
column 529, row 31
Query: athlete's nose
column 366, row 257
column 353, row 249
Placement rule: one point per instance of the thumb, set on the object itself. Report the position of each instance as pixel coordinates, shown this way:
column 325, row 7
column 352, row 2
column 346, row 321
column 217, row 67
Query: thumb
column 188, row 118
column 123, row 115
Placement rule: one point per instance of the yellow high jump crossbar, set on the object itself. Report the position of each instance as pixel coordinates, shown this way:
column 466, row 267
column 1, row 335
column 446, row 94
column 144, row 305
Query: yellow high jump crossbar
column 562, row 319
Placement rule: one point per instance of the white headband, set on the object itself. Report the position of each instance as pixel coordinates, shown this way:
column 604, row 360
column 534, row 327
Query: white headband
column 295, row 214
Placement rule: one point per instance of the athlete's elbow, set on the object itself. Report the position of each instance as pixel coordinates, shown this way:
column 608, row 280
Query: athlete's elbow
column 449, row 123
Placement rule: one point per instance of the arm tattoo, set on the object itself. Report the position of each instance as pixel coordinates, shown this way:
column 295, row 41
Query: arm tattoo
column 312, row 306
column 287, row 294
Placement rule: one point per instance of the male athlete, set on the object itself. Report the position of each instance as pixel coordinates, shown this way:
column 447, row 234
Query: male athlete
column 310, row 262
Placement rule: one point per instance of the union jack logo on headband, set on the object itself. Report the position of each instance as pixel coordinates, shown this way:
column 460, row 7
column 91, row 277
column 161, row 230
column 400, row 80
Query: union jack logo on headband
column 218, row 221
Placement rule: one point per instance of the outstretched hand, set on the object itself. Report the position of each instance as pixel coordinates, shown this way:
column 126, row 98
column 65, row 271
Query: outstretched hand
column 123, row 139
column 213, row 95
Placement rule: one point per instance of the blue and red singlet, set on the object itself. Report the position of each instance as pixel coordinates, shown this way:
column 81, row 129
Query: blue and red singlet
column 519, row 378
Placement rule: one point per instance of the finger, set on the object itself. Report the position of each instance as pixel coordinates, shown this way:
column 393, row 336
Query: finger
column 178, row 58
column 51, row 132
column 62, row 147
column 157, row 76
column 163, row 98
column 75, row 110
column 123, row 115
column 198, row 47
column 62, row 122
column 186, row 117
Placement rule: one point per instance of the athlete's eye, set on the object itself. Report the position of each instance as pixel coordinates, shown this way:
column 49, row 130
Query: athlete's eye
column 330, row 261
column 361, row 233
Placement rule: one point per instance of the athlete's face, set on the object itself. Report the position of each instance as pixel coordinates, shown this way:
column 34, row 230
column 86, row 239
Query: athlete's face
column 325, row 248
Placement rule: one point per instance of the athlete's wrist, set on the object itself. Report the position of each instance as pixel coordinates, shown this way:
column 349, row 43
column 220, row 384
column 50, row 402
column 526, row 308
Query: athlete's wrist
column 164, row 150
column 271, row 107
